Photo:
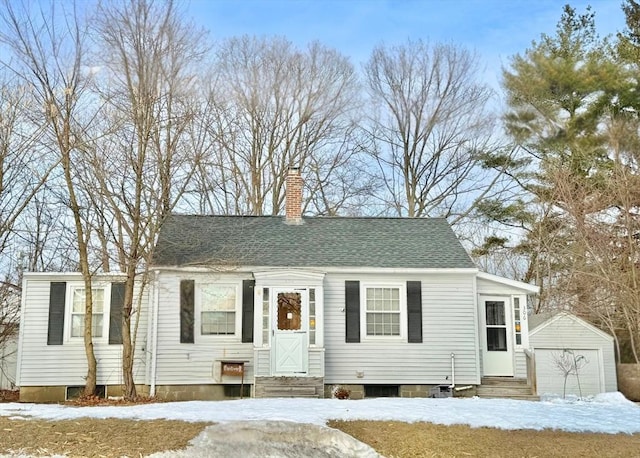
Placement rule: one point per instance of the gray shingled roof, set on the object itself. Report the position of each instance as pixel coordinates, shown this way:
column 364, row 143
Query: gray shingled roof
column 536, row 320
column 318, row 242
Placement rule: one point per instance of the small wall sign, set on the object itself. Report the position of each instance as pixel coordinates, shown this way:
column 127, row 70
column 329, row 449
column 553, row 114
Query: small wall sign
column 232, row 368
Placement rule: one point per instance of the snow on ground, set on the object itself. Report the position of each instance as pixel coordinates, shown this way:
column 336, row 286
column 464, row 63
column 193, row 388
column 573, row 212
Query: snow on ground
column 606, row 413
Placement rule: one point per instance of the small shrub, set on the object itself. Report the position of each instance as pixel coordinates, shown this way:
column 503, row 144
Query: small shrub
column 340, row 392
column 9, row 395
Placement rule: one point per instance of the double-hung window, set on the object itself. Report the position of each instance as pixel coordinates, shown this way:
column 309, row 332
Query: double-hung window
column 218, row 305
column 78, row 312
column 384, row 310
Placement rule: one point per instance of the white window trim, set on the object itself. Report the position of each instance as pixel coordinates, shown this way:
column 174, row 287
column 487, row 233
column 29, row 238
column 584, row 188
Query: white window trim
column 68, row 311
column 402, row 287
column 237, row 335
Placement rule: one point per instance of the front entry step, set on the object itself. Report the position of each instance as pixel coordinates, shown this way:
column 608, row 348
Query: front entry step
column 289, row 387
column 506, row 387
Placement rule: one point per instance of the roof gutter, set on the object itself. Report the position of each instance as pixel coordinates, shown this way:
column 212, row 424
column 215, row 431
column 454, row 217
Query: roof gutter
column 328, row 269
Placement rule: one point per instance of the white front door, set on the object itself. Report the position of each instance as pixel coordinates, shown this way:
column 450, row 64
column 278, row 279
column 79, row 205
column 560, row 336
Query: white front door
column 497, row 337
column 289, row 349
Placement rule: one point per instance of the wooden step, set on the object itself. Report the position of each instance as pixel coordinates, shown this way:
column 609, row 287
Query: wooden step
column 518, row 397
column 510, row 381
column 506, row 388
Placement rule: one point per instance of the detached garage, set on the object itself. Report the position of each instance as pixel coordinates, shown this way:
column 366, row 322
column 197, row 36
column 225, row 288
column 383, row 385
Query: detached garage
column 565, row 345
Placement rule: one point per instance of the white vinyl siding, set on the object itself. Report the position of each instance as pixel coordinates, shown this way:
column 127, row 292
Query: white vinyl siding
column 520, row 366
column 66, row 364
column 196, row 363
column 448, row 326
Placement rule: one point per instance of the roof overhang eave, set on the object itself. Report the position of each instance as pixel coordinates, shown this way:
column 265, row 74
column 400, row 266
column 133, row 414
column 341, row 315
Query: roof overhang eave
column 533, row 289
column 333, row 269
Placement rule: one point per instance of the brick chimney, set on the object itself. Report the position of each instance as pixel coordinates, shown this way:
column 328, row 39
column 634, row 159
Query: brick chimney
column 293, row 196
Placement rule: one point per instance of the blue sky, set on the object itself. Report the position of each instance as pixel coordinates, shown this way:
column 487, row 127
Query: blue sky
column 496, row 29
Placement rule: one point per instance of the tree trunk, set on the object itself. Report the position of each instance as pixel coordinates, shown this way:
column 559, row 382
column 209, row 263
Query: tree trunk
column 129, row 387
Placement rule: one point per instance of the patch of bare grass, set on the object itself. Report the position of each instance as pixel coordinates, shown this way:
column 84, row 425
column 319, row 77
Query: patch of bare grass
column 88, row 437
column 412, row 440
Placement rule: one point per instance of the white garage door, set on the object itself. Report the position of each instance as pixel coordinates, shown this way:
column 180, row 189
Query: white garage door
column 552, row 363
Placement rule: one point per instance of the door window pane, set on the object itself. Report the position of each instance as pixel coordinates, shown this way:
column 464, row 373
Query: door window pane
column 495, row 313
column 312, row 316
column 266, row 324
column 496, row 325
column 289, row 311
column 497, row 339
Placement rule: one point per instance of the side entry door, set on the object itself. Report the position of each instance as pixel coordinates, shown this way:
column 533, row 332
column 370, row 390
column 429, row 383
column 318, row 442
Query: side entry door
column 497, row 339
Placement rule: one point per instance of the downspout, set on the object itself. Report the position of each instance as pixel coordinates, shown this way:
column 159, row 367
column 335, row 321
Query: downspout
column 452, row 387
column 154, row 335
column 453, row 371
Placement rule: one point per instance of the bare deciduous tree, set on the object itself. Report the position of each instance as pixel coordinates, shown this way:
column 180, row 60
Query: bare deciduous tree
column 431, row 128
column 47, row 50
column 23, row 166
column 145, row 161
column 277, row 106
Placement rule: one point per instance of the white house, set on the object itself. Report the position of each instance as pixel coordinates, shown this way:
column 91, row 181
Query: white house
column 287, row 305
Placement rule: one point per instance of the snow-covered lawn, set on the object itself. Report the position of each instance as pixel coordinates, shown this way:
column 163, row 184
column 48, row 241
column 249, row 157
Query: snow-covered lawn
column 607, row 413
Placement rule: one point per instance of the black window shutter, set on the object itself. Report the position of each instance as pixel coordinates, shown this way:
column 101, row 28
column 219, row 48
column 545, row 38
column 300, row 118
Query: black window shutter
column 115, row 313
column 414, row 311
column 187, row 304
column 57, row 293
column 247, row 310
column 352, row 307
